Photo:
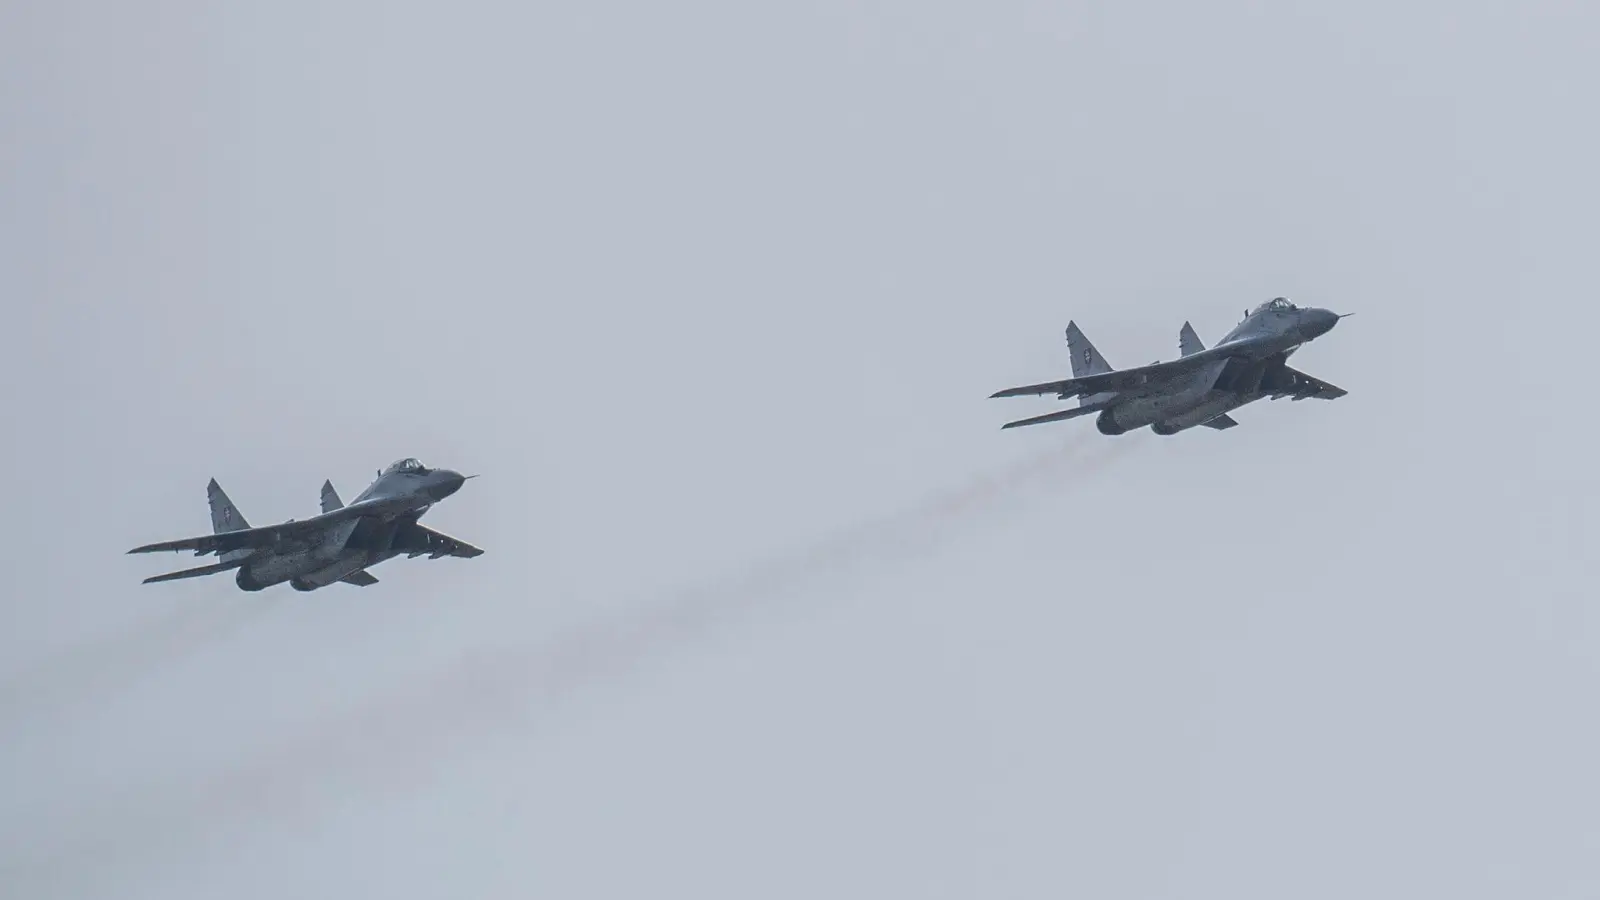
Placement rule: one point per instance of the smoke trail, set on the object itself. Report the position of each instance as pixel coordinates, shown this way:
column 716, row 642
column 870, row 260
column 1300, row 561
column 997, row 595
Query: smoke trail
column 398, row 738
column 96, row 668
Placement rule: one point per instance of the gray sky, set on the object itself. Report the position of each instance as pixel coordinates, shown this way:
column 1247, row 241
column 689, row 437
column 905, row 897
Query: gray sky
column 703, row 290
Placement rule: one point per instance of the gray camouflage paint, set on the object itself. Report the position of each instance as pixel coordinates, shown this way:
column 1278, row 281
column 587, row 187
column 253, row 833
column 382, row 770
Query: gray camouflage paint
column 339, row 545
column 1201, row 386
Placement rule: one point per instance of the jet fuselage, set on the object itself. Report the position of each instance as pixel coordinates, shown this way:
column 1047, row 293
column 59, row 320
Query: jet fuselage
column 338, row 545
column 401, row 498
column 1259, row 348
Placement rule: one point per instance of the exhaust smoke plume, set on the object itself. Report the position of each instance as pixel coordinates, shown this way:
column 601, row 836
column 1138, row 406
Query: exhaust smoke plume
column 398, row 738
column 95, row 669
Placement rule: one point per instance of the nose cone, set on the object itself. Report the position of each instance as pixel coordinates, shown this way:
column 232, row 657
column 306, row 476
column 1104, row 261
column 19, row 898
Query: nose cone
column 1318, row 322
column 445, row 483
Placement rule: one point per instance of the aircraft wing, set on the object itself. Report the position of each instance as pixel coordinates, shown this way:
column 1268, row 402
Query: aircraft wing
column 1144, row 379
column 256, row 538
column 437, row 544
column 1306, row 387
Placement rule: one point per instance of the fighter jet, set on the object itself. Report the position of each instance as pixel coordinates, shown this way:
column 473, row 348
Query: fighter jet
column 337, row 546
column 1200, row 387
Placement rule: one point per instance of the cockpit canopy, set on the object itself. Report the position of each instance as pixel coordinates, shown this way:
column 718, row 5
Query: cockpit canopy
column 408, row 465
column 1275, row 304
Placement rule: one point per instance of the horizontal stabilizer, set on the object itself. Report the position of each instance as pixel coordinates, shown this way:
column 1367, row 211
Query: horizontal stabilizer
column 196, row 572
column 1221, row 422
column 1062, row 389
column 1061, row 416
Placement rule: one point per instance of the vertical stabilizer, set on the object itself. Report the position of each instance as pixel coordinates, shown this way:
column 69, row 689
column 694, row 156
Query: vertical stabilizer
column 1086, row 360
column 225, row 517
column 1189, row 343
column 330, row 498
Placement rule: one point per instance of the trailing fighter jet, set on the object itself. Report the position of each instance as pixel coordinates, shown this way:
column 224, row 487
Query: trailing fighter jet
column 1200, row 387
column 337, row 546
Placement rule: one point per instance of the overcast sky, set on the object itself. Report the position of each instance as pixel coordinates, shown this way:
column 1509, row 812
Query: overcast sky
column 712, row 295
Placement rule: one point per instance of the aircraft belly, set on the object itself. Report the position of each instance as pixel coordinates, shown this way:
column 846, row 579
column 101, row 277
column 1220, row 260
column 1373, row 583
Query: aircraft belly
column 278, row 568
column 1138, row 412
column 1216, row 404
column 330, row 574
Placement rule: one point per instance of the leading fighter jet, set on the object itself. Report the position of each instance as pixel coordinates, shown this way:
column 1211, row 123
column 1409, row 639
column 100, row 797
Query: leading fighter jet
column 1200, row 387
column 337, row 546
